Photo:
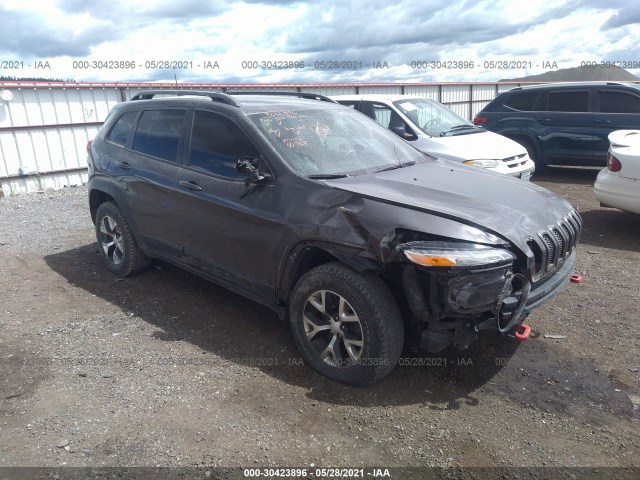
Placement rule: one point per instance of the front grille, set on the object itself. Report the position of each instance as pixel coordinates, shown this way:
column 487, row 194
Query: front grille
column 517, row 160
column 552, row 246
column 561, row 242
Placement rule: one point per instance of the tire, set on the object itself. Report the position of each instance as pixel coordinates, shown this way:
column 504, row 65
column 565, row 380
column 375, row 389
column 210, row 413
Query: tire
column 365, row 343
column 532, row 152
column 118, row 248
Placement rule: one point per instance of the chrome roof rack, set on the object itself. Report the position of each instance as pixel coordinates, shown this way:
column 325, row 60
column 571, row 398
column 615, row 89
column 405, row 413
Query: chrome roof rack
column 307, row 95
column 215, row 96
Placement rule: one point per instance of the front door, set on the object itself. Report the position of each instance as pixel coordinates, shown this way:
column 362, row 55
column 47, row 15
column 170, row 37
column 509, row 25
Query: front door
column 227, row 232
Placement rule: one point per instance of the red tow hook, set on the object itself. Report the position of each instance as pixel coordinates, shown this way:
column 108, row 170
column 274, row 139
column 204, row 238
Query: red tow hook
column 521, row 332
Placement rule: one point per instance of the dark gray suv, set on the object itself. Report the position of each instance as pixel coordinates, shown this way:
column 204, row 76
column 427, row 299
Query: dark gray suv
column 564, row 123
column 331, row 220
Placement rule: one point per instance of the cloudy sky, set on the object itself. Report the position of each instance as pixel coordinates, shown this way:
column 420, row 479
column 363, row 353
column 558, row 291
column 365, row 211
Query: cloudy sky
column 412, row 40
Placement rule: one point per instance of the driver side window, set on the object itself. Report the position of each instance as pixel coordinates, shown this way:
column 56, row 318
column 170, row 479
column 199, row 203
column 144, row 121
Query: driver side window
column 379, row 112
column 217, row 143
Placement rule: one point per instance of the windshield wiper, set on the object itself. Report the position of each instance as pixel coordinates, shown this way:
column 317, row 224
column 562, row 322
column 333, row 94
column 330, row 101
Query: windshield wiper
column 328, row 176
column 458, row 127
column 394, row 167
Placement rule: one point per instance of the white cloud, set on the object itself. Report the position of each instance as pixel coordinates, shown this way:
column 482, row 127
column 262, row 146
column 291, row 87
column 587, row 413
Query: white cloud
column 360, row 31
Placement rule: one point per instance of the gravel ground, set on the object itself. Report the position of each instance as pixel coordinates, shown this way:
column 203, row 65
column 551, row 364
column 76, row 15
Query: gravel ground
column 166, row 369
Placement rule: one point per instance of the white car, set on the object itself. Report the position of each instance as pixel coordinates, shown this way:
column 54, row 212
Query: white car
column 618, row 185
column 435, row 129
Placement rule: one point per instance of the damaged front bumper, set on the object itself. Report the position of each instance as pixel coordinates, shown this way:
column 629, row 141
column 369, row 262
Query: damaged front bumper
column 456, row 302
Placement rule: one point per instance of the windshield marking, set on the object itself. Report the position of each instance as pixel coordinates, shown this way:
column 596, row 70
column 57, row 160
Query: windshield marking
column 322, row 131
column 333, row 142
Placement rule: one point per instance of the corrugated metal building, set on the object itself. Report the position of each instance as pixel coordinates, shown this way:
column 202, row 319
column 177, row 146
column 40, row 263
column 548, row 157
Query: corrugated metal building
column 45, row 127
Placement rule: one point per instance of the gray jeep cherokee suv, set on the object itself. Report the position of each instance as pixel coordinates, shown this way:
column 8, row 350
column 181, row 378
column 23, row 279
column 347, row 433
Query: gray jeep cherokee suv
column 334, row 222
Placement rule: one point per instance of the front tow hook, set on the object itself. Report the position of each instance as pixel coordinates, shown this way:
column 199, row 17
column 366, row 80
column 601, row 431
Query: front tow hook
column 522, row 332
column 519, row 315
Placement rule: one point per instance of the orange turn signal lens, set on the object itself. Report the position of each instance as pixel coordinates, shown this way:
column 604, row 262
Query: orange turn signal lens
column 430, row 261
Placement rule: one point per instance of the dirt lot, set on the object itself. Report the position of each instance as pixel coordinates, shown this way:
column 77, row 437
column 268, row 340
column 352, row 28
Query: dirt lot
column 167, row 369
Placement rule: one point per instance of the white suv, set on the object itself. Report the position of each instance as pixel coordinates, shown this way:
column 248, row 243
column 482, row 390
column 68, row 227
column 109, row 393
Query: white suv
column 435, row 129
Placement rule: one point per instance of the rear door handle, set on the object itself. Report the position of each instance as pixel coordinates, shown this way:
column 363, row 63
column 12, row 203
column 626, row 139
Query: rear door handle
column 123, row 165
column 190, row 185
column 543, row 119
column 603, row 121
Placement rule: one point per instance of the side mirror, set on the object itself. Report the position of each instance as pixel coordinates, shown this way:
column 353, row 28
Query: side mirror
column 249, row 166
column 401, row 131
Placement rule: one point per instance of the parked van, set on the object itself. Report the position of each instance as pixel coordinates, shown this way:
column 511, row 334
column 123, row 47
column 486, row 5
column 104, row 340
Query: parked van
column 437, row 130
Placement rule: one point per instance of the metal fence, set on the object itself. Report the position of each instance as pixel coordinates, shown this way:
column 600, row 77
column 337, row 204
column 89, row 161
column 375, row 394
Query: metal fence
column 45, row 127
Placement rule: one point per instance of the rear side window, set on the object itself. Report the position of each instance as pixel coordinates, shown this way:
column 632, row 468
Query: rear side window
column 568, row 101
column 158, row 133
column 120, row 132
column 348, row 103
column 618, row 102
column 217, row 143
column 523, row 101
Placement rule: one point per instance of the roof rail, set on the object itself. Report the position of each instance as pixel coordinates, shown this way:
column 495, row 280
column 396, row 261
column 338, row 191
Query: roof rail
column 307, row 95
column 215, row 96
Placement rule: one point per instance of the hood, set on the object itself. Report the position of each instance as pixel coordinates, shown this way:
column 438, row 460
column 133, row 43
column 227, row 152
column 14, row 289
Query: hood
column 472, row 146
column 507, row 207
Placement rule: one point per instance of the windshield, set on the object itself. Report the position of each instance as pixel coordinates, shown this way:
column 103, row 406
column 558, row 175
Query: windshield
column 431, row 117
column 334, row 142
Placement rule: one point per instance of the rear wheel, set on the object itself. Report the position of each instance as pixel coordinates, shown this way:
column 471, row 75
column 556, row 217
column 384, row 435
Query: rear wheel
column 346, row 325
column 119, row 249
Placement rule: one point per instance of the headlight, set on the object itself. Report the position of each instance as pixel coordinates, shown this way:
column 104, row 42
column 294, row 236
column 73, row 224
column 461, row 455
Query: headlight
column 483, row 163
column 445, row 254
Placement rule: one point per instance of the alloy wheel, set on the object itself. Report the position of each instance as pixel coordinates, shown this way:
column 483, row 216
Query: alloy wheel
column 111, row 240
column 333, row 329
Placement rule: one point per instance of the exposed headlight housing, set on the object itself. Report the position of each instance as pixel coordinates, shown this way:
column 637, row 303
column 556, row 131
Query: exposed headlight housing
column 449, row 254
column 484, row 163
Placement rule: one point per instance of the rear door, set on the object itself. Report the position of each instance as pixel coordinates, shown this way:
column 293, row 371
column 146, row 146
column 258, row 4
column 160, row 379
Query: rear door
column 145, row 174
column 615, row 109
column 567, row 125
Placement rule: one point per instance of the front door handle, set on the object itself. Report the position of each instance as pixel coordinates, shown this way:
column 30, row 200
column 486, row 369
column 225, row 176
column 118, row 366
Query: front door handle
column 543, row 119
column 123, row 165
column 190, row 185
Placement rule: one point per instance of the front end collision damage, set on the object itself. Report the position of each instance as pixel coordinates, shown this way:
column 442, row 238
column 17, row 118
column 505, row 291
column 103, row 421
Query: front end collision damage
column 505, row 265
column 455, row 299
column 447, row 304
column 456, row 290
column 511, row 259
column 456, row 279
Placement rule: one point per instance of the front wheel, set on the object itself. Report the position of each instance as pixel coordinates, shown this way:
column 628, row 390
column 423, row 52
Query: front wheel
column 346, row 325
column 119, row 249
